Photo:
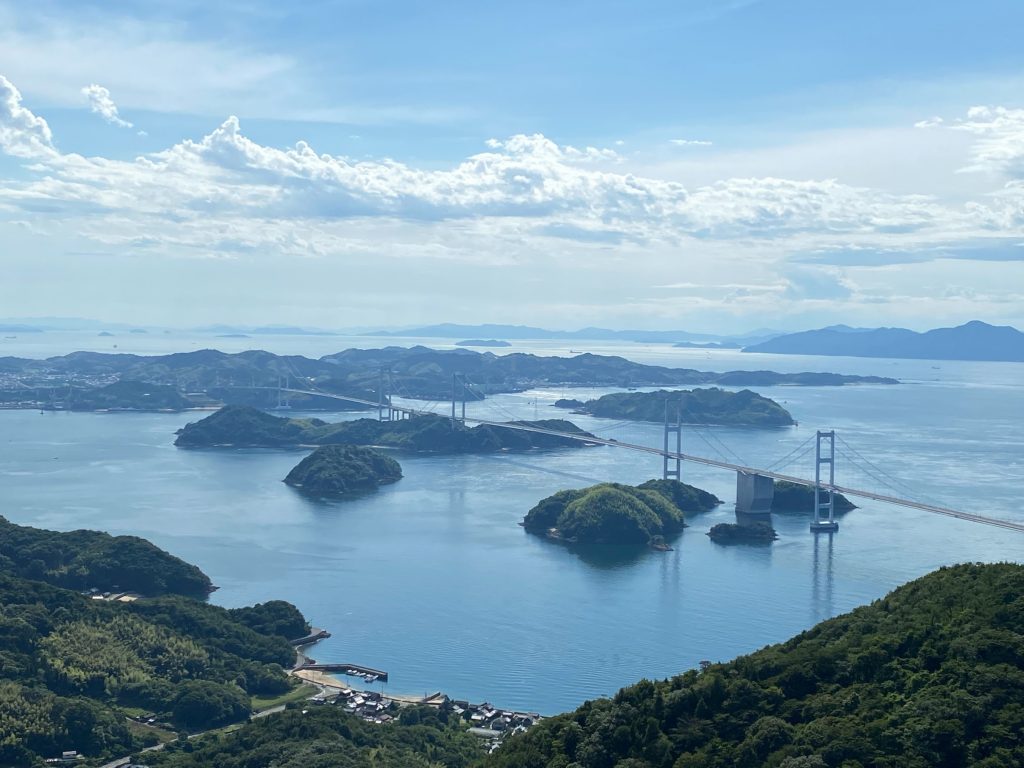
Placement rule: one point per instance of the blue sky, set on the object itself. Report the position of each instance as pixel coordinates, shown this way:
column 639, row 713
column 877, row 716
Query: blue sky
column 708, row 165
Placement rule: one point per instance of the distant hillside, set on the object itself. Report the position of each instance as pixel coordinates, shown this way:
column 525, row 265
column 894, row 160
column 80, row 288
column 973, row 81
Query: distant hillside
column 253, row 377
column 972, row 341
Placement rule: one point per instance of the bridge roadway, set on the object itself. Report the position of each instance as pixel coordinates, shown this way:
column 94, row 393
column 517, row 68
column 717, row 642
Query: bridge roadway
column 1007, row 524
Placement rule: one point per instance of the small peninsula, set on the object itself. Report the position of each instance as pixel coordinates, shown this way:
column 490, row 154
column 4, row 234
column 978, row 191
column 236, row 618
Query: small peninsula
column 343, row 470
column 697, row 406
column 733, row 533
column 242, row 426
column 96, row 560
column 482, row 343
column 617, row 514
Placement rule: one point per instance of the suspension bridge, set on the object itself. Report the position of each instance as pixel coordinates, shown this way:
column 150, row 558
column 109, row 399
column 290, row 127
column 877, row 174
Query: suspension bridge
column 754, row 484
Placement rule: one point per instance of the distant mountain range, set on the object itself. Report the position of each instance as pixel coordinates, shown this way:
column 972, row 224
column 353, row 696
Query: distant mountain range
column 493, row 331
column 972, row 341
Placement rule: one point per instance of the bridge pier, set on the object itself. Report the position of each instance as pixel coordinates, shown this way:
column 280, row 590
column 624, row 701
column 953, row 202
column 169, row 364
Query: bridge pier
column 754, row 494
column 824, row 510
column 384, row 395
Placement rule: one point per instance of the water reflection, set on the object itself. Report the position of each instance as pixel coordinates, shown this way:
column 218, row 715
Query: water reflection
column 821, row 573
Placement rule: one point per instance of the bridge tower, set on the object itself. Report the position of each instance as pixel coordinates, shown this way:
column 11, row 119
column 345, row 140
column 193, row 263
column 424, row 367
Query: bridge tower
column 824, row 510
column 668, row 472
column 384, row 411
column 458, row 395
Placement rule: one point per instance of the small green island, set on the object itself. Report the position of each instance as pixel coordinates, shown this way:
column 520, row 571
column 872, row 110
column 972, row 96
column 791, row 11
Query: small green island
column 339, row 471
column 237, row 426
column 793, row 497
column 618, row 514
column 734, row 533
column 712, row 406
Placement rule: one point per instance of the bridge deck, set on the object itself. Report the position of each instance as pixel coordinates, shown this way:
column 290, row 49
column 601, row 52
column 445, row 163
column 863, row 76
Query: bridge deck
column 1007, row 524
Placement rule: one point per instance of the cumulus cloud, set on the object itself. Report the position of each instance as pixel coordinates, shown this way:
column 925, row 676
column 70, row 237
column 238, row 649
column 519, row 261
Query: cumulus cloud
column 690, row 142
column 22, row 134
column 930, row 122
column 101, row 104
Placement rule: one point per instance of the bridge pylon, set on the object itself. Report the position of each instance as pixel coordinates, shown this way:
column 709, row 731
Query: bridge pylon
column 384, row 411
column 824, row 509
column 458, row 395
column 669, row 472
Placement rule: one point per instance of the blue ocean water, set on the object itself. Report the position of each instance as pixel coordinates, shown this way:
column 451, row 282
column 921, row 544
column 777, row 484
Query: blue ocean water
column 433, row 580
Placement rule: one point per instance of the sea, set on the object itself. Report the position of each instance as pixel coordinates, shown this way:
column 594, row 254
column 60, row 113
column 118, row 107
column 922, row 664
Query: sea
column 433, row 580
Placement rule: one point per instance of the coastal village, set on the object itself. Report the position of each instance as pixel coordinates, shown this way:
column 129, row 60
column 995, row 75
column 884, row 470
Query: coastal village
column 485, row 720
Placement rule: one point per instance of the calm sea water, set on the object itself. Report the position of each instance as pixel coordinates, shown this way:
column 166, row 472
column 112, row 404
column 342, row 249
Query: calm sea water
column 433, row 580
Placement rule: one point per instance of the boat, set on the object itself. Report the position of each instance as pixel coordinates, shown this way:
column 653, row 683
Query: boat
column 370, row 678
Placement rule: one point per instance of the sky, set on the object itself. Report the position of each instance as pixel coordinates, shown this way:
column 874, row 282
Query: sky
column 710, row 165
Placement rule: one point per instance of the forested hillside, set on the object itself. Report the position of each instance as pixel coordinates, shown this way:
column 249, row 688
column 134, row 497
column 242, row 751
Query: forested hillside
column 92, row 559
column 931, row 675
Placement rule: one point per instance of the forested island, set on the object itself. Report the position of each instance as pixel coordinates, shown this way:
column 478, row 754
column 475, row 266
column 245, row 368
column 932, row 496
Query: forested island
column 747, row 533
column 613, row 513
column 343, row 470
column 209, row 377
column 241, row 426
column 793, row 497
column 696, row 406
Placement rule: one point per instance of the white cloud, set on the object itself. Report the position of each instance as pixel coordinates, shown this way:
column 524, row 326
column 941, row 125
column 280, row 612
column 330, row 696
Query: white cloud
column 101, row 104
column 931, row 122
column 22, row 134
column 1000, row 146
column 690, row 142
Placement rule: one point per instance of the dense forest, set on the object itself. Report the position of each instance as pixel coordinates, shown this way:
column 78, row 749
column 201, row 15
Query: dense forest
column 94, row 560
column 73, row 668
column 697, row 406
column 613, row 513
column 327, row 737
column 931, row 675
column 242, row 426
column 343, row 470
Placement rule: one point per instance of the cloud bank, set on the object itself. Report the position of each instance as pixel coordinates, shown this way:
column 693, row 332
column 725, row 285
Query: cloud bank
column 523, row 202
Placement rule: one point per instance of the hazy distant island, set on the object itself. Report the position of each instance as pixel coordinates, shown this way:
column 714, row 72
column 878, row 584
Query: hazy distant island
column 209, row 377
column 243, row 426
column 734, row 533
column 708, row 345
column 616, row 514
column 340, row 471
column 482, row 343
column 697, row 406
column 972, row 341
